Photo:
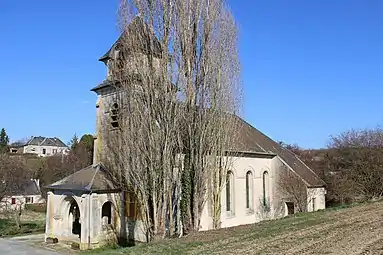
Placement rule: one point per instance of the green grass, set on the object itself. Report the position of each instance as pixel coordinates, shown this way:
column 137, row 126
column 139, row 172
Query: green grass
column 9, row 228
column 224, row 240
column 207, row 242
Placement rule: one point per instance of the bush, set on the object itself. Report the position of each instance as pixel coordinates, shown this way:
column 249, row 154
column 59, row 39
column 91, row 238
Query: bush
column 40, row 208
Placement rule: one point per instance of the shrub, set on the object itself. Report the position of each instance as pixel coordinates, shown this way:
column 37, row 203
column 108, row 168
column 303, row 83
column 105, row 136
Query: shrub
column 40, row 208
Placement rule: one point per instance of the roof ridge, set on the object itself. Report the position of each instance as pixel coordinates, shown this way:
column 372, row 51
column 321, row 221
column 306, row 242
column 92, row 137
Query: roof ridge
column 89, row 186
column 40, row 144
column 280, row 151
column 312, row 171
column 30, row 140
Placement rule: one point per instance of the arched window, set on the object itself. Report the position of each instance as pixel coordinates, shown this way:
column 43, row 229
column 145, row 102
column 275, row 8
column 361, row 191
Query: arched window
column 249, row 190
column 106, row 212
column 230, row 192
column 265, row 188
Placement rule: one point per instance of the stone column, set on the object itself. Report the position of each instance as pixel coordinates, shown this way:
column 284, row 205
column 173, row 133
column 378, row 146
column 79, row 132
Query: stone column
column 84, row 214
column 70, row 224
column 49, row 217
column 96, row 217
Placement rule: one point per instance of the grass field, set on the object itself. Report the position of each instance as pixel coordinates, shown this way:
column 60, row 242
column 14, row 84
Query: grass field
column 354, row 230
column 31, row 222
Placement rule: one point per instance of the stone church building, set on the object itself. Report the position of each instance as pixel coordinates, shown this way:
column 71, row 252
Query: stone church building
column 83, row 207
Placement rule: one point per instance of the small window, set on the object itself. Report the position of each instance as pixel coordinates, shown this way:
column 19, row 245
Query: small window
column 29, row 200
column 44, row 151
column 114, row 116
column 54, row 151
column 314, row 207
column 13, row 201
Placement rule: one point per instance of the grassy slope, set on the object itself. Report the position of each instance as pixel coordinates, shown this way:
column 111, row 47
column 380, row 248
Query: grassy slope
column 267, row 236
column 31, row 222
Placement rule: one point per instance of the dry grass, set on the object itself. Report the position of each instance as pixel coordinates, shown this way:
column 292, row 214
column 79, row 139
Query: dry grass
column 354, row 230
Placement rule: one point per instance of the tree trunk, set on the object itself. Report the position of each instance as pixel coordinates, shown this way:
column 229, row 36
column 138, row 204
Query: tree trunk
column 122, row 240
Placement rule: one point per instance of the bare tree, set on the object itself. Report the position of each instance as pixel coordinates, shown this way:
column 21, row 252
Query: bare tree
column 21, row 142
column 176, row 71
column 53, row 168
column 291, row 188
column 358, row 161
column 13, row 176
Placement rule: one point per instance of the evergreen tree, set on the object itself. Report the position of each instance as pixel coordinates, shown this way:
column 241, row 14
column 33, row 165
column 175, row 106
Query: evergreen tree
column 87, row 141
column 86, row 144
column 4, row 140
column 74, row 142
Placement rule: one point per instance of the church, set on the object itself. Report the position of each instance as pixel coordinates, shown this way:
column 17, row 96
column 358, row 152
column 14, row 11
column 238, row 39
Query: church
column 82, row 208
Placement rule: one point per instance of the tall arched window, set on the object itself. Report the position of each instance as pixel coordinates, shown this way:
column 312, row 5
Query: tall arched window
column 229, row 192
column 249, row 190
column 265, row 188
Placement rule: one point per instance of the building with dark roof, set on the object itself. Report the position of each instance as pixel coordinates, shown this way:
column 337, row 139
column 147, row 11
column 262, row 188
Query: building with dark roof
column 251, row 193
column 20, row 195
column 42, row 146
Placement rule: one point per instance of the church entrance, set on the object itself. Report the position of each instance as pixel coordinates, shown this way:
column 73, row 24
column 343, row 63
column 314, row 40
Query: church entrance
column 74, row 219
column 290, row 208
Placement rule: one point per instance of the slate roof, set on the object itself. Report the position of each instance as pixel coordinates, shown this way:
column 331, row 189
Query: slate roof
column 251, row 139
column 104, row 84
column 29, row 187
column 90, row 178
column 139, row 33
column 46, row 141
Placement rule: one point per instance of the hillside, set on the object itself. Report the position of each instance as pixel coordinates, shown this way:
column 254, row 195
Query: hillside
column 354, row 230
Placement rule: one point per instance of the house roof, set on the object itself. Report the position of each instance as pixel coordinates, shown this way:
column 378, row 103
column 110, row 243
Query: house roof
column 29, row 187
column 139, row 33
column 90, row 178
column 251, row 139
column 46, row 141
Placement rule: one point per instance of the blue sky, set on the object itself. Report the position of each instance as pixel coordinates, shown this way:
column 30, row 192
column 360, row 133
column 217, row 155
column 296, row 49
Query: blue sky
column 310, row 68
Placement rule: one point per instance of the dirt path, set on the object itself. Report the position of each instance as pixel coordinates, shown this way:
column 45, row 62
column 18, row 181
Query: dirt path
column 358, row 230
column 15, row 247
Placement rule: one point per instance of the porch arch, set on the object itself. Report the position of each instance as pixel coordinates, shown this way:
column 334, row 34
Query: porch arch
column 71, row 215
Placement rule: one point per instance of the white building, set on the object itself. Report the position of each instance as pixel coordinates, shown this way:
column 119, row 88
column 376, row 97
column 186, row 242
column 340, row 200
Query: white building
column 27, row 193
column 44, row 146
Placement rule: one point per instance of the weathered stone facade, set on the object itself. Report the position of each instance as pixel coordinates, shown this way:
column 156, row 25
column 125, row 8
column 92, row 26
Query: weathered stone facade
column 84, row 207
